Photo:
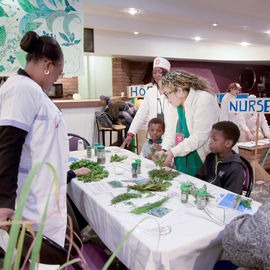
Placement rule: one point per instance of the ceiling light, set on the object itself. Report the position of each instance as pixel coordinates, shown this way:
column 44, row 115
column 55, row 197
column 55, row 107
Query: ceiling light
column 244, row 43
column 267, row 32
column 133, row 11
column 215, row 24
column 197, row 38
column 136, row 33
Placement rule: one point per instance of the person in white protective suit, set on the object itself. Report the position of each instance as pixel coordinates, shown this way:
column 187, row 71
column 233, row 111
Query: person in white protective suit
column 237, row 118
column 154, row 103
column 251, row 122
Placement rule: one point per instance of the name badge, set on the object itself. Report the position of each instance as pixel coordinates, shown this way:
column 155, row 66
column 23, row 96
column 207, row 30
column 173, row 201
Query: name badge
column 179, row 137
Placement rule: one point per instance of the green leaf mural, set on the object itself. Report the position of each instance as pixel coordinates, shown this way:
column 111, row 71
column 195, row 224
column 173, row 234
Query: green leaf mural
column 46, row 17
column 32, row 26
column 27, row 6
column 21, row 57
column 3, row 35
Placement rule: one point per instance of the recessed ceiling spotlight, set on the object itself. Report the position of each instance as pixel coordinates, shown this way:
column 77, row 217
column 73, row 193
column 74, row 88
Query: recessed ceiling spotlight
column 132, row 11
column 197, row 38
column 267, row 32
column 214, row 24
column 244, row 43
column 136, row 33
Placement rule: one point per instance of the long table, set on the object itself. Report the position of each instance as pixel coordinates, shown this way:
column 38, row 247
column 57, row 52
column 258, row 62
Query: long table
column 185, row 238
column 249, row 154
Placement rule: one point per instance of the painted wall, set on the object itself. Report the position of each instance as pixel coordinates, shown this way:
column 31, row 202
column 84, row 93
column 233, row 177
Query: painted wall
column 82, row 121
column 119, row 44
column 220, row 75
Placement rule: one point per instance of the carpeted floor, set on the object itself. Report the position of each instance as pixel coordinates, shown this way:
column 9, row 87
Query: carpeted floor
column 261, row 191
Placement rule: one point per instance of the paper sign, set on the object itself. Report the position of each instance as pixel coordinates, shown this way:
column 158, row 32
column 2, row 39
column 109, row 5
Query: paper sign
column 135, row 91
column 228, row 201
column 221, row 95
column 250, row 105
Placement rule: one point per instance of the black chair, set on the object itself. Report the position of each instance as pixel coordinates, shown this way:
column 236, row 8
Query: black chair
column 248, row 184
column 119, row 128
column 73, row 141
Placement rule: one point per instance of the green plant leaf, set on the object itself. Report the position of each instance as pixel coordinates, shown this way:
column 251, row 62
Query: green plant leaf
column 146, row 207
column 19, row 249
column 14, row 231
column 69, row 263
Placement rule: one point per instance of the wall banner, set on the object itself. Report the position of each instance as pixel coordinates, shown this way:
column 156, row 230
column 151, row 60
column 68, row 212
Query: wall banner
column 61, row 19
column 250, row 105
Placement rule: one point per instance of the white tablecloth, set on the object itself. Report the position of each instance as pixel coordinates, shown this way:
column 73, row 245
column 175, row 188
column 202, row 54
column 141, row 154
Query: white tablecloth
column 194, row 240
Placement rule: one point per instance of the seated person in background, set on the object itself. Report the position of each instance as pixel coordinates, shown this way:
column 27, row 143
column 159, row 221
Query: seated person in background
column 156, row 128
column 223, row 167
column 251, row 120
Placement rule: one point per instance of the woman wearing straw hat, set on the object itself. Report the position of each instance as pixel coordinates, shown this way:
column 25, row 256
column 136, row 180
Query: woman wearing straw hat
column 153, row 104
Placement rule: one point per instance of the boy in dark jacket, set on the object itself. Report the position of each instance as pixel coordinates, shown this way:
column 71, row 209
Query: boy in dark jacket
column 223, row 167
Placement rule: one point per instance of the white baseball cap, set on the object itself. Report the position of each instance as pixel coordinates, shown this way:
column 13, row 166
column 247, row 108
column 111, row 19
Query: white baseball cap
column 160, row 62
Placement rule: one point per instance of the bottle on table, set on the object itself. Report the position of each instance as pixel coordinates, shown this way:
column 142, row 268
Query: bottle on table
column 95, row 147
column 201, row 198
column 134, row 168
column 184, row 192
column 139, row 167
column 89, row 151
column 80, row 145
column 101, row 159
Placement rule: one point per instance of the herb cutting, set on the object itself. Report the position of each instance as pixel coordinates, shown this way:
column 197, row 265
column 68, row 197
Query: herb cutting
column 155, row 184
column 117, row 158
column 97, row 172
column 124, row 197
column 149, row 206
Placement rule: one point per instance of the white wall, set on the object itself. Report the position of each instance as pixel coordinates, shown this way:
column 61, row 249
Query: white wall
column 82, row 121
column 115, row 43
column 97, row 79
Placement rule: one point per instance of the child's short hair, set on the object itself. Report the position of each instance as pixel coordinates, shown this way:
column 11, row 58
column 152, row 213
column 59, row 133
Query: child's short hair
column 230, row 130
column 157, row 121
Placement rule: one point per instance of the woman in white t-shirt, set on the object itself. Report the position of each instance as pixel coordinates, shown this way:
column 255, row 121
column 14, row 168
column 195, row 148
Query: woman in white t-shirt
column 33, row 131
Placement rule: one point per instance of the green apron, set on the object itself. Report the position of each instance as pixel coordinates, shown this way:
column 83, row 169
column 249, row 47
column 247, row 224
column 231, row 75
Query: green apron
column 192, row 162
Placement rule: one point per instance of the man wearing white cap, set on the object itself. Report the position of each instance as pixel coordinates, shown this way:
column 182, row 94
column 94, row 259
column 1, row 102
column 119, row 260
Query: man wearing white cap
column 154, row 102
